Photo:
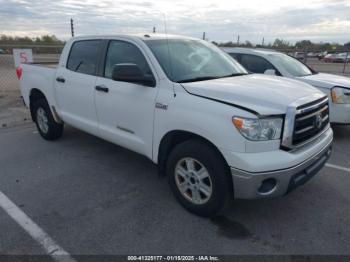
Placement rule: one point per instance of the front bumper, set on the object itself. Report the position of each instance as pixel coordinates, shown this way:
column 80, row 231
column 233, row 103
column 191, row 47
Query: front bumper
column 252, row 185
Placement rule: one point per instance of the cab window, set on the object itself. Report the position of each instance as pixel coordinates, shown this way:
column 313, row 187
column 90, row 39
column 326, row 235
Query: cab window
column 120, row 52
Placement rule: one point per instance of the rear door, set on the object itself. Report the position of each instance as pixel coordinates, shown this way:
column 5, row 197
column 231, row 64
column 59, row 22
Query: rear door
column 126, row 110
column 75, row 85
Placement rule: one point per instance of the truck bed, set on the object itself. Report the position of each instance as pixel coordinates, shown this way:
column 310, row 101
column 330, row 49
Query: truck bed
column 40, row 76
column 45, row 64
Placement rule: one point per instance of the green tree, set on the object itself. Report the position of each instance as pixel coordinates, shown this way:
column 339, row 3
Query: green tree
column 45, row 39
column 304, row 45
column 248, row 44
column 281, row 44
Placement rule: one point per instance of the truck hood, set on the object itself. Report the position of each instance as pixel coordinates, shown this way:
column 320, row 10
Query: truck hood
column 326, row 80
column 263, row 94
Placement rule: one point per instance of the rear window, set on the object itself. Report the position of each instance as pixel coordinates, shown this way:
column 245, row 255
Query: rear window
column 234, row 55
column 255, row 63
column 83, row 57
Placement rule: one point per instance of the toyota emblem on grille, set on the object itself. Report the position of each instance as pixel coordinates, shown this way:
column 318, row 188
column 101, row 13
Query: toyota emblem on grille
column 318, row 121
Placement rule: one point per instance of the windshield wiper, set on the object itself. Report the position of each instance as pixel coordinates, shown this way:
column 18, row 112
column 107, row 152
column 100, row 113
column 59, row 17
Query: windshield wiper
column 195, row 79
column 203, row 78
column 234, row 74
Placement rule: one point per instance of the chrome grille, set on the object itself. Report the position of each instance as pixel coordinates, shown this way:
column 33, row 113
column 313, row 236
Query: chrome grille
column 306, row 119
column 310, row 120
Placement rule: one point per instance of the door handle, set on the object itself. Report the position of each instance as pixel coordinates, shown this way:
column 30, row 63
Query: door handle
column 60, row 79
column 102, row 89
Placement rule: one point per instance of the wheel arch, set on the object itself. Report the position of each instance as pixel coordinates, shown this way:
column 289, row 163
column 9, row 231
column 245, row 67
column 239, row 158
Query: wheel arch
column 35, row 95
column 175, row 137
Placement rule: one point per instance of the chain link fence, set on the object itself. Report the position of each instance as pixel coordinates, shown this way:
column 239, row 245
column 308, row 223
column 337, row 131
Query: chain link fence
column 43, row 53
column 333, row 62
column 339, row 67
column 11, row 105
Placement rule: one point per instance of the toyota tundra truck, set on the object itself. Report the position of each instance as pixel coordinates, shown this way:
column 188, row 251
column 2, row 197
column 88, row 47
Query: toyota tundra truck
column 217, row 132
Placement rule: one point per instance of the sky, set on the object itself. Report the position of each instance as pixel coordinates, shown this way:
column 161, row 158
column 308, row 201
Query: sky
column 222, row 20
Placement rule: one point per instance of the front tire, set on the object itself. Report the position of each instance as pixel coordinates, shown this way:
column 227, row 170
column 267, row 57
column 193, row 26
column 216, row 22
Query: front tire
column 47, row 127
column 199, row 178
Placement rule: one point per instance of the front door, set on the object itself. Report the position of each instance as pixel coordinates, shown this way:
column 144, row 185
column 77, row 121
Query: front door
column 126, row 110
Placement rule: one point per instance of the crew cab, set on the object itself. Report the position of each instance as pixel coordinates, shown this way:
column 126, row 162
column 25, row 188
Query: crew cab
column 216, row 132
column 271, row 62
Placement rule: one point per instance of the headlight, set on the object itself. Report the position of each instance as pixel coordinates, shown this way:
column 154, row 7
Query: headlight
column 340, row 95
column 259, row 129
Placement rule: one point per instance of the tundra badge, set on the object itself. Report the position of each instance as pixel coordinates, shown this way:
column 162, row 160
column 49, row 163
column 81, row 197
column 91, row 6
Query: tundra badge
column 161, row 106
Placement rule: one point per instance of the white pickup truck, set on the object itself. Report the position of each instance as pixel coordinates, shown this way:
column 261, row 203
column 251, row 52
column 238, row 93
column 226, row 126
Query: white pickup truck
column 217, row 132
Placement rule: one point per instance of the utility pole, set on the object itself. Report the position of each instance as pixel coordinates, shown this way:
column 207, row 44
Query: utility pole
column 345, row 62
column 72, row 27
column 203, row 35
column 238, row 40
column 154, row 29
column 263, row 42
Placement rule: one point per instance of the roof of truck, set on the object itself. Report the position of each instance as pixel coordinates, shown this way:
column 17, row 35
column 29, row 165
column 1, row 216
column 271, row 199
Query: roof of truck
column 248, row 50
column 133, row 36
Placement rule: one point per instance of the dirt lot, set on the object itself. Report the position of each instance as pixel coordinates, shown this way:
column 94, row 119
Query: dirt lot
column 11, row 105
column 13, row 112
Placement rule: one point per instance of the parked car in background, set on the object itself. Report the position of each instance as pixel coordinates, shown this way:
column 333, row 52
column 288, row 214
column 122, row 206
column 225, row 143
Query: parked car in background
column 321, row 55
column 330, row 58
column 311, row 55
column 2, row 51
column 300, row 56
column 217, row 132
column 342, row 58
column 275, row 63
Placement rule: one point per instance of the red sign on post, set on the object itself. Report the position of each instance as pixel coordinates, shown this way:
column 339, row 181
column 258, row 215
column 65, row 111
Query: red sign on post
column 22, row 56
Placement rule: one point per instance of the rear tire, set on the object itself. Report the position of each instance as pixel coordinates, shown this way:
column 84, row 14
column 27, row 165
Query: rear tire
column 47, row 127
column 199, row 178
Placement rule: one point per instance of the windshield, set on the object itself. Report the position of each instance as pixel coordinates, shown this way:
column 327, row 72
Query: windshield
column 193, row 60
column 291, row 65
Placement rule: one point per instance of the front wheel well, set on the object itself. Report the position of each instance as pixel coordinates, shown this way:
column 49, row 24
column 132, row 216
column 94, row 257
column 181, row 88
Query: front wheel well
column 173, row 138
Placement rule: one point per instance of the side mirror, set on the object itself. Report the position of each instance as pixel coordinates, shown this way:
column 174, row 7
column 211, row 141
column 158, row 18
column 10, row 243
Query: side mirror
column 271, row 72
column 131, row 73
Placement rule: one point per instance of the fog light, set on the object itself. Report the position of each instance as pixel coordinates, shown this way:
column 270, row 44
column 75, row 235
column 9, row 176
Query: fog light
column 267, row 185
